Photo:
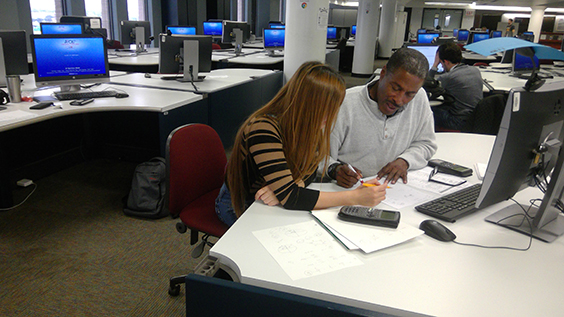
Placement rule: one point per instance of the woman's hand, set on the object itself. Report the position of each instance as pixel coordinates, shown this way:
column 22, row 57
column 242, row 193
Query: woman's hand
column 371, row 193
column 267, row 196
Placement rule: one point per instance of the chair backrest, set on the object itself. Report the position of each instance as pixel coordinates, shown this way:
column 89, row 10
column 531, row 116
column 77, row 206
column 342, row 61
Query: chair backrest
column 195, row 153
column 204, row 293
column 486, row 117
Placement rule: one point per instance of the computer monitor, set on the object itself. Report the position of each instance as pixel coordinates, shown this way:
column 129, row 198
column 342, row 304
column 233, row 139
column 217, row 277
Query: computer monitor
column 13, row 54
column 533, row 122
column 507, row 57
column 455, row 33
column 213, row 28
column 421, row 31
column 343, row 32
column 497, row 34
column 353, row 30
column 61, row 28
column 463, row 35
column 478, row 36
column 276, row 25
column 88, row 23
column 331, row 33
column 528, row 36
column 69, row 60
column 181, row 29
column 176, row 58
column 430, row 51
column 426, row 38
column 522, row 64
column 444, row 39
column 135, row 32
column 273, row 40
column 236, row 33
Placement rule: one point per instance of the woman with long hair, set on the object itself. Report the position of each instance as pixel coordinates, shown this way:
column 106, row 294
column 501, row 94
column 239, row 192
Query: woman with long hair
column 278, row 149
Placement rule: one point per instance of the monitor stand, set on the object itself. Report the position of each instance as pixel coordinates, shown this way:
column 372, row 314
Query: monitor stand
column 238, row 41
column 191, row 59
column 512, row 217
column 70, row 88
column 139, row 40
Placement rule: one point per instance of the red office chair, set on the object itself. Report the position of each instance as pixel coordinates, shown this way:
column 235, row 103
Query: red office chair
column 195, row 168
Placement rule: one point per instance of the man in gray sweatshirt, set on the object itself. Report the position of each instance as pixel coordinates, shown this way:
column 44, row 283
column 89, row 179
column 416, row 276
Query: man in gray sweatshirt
column 385, row 127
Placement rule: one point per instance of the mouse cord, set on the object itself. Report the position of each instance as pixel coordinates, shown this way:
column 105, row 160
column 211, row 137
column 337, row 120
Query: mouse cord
column 25, row 199
column 525, row 217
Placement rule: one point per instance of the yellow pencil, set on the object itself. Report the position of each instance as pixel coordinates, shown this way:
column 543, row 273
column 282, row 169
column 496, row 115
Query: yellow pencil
column 370, row 185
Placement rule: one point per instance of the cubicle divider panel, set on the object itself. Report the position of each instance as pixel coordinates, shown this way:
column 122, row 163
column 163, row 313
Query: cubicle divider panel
column 229, row 108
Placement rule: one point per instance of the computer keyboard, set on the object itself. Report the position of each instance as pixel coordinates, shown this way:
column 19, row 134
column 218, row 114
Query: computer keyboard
column 86, row 94
column 452, row 206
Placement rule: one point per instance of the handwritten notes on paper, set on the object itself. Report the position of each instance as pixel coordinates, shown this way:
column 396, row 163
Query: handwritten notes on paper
column 305, row 249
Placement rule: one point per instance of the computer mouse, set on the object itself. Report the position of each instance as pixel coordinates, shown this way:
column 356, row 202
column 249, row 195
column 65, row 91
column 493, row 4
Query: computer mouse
column 121, row 95
column 437, row 230
column 147, row 75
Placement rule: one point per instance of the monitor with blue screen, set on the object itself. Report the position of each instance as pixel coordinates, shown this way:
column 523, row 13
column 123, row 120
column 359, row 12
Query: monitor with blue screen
column 213, row 28
column 455, row 33
column 463, row 35
column 353, row 30
column 279, row 25
column 496, row 33
column 523, row 64
column 426, row 38
column 479, row 37
column 181, row 30
column 61, row 28
column 421, row 31
column 331, row 33
column 69, row 60
column 274, row 39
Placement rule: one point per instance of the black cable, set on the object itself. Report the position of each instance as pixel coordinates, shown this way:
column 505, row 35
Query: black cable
column 525, row 217
column 191, row 69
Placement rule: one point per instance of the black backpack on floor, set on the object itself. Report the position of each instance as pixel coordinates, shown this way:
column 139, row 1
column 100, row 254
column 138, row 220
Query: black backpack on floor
column 146, row 198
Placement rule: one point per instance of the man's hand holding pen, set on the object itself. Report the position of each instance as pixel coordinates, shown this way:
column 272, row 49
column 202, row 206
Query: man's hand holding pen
column 347, row 176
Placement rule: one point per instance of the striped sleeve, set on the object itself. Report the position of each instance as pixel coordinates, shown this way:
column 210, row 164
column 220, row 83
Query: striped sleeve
column 265, row 148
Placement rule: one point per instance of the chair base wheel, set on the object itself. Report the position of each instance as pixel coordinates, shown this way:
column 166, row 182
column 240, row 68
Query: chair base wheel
column 175, row 291
column 181, row 227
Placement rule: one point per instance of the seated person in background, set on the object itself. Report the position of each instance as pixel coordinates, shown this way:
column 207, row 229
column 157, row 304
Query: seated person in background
column 462, row 82
column 279, row 147
column 385, row 127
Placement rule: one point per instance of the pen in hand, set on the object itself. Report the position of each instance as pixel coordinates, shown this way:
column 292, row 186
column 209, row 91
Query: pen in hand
column 433, row 172
column 354, row 171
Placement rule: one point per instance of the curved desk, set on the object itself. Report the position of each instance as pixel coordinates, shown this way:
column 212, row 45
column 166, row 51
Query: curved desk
column 36, row 143
column 422, row 276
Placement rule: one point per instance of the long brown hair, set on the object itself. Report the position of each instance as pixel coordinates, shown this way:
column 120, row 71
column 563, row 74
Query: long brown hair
column 313, row 95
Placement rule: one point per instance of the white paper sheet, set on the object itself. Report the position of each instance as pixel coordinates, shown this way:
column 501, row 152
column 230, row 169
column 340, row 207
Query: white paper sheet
column 368, row 238
column 305, row 249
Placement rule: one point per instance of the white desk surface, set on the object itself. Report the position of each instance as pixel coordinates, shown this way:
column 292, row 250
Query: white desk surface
column 259, row 57
column 500, row 79
column 215, row 80
column 140, row 99
column 149, row 58
column 422, row 276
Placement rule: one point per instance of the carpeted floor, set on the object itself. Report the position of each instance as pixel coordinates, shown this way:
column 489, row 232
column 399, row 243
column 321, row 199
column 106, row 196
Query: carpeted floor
column 69, row 250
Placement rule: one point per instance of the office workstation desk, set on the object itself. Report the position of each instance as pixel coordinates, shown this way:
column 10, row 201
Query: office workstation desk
column 421, row 276
column 231, row 94
column 36, row 143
